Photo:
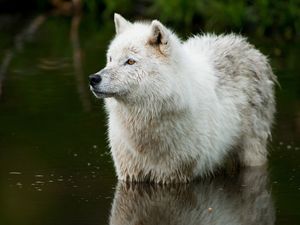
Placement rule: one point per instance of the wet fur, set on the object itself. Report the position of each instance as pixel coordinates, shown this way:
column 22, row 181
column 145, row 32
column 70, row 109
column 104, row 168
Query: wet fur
column 185, row 107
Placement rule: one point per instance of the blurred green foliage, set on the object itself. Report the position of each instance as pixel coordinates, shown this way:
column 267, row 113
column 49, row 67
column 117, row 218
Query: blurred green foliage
column 279, row 18
column 258, row 15
column 261, row 17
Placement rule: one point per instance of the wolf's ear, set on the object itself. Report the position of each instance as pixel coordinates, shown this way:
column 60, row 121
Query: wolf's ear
column 159, row 34
column 121, row 23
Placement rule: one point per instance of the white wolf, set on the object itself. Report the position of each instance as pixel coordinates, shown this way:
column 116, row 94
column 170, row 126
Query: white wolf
column 178, row 110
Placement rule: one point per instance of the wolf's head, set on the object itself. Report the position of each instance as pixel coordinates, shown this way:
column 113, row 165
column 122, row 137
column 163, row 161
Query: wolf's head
column 141, row 62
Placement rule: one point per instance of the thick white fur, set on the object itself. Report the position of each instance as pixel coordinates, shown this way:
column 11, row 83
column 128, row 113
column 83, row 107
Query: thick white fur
column 183, row 108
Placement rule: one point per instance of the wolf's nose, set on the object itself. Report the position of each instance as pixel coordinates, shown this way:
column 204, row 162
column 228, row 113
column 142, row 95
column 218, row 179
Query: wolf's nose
column 94, row 79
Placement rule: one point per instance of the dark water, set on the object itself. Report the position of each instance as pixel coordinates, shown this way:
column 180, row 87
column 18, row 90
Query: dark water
column 55, row 164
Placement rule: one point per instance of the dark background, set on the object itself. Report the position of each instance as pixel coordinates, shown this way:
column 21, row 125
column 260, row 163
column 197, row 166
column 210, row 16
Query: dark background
column 55, row 166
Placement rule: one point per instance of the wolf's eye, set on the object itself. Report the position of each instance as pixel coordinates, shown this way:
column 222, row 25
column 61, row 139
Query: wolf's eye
column 130, row 61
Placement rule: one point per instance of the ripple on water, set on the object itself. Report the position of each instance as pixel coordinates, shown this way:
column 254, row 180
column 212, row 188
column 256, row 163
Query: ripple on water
column 15, row 173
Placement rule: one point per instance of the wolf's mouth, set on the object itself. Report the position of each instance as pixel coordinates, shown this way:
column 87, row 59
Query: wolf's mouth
column 102, row 94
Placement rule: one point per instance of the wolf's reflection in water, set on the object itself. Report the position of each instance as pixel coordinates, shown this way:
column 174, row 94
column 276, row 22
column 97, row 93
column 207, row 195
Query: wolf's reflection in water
column 243, row 199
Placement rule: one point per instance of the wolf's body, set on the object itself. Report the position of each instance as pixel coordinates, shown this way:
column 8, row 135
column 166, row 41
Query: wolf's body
column 182, row 108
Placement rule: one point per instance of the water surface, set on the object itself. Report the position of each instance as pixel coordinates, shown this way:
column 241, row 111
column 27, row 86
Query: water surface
column 55, row 163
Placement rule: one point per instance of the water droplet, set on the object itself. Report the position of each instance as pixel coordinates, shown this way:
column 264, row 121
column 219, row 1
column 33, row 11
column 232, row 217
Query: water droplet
column 95, row 146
